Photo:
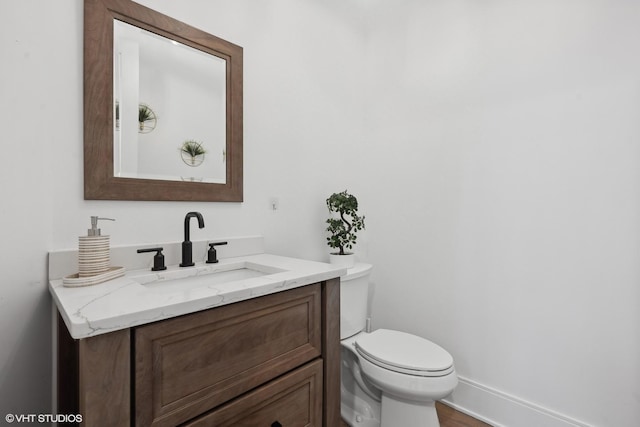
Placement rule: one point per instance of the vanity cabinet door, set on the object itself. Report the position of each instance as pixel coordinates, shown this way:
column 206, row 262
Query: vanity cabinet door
column 189, row 365
column 294, row 400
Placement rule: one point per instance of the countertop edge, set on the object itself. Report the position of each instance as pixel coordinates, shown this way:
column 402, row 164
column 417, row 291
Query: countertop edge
column 122, row 303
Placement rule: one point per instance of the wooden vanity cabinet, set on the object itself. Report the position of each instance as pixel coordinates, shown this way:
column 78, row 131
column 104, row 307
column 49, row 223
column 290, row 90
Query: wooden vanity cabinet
column 264, row 362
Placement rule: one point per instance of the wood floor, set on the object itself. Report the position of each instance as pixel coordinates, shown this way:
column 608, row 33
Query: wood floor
column 449, row 417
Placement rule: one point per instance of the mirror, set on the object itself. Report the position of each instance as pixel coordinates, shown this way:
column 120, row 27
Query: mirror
column 162, row 108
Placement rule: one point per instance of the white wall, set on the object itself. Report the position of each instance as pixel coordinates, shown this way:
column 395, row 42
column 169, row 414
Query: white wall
column 493, row 146
column 507, row 224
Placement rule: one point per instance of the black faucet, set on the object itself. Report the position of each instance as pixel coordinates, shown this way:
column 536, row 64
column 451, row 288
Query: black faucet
column 187, row 251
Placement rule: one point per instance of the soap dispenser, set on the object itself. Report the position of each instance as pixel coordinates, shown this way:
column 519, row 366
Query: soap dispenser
column 93, row 251
column 94, row 259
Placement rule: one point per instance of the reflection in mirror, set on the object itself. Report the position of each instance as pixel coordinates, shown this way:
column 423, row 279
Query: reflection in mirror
column 167, row 95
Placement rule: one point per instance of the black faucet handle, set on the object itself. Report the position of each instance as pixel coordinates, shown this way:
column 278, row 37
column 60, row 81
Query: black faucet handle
column 158, row 259
column 212, row 255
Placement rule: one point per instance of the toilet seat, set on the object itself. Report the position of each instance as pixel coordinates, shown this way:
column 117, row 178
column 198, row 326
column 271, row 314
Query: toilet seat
column 404, row 353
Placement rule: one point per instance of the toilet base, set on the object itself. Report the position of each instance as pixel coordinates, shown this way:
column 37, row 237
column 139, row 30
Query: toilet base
column 356, row 412
column 400, row 412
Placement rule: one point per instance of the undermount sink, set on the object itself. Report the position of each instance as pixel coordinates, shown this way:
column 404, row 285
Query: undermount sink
column 202, row 276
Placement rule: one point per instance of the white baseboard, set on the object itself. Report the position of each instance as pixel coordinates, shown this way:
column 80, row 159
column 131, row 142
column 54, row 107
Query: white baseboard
column 501, row 409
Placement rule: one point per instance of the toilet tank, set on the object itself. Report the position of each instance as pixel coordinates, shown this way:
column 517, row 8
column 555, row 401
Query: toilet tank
column 354, row 299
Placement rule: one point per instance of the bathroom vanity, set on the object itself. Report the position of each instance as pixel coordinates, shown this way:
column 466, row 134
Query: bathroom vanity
column 251, row 341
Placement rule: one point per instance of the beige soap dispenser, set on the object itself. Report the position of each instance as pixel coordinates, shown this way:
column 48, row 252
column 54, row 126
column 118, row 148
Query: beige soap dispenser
column 93, row 251
column 94, row 259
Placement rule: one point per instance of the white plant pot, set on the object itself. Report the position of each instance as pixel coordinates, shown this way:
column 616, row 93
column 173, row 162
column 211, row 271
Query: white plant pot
column 346, row 260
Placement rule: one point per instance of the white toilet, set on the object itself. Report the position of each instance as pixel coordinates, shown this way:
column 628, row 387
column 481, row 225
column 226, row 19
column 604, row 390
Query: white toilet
column 389, row 378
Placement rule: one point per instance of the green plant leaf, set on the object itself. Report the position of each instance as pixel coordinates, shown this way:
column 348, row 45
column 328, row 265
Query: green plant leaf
column 144, row 113
column 192, row 148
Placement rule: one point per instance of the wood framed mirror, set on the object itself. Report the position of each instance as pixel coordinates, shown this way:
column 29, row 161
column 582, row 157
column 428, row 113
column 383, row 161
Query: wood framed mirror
column 103, row 111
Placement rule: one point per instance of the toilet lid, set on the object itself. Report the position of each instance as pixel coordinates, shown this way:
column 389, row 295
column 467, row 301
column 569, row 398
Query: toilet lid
column 405, row 353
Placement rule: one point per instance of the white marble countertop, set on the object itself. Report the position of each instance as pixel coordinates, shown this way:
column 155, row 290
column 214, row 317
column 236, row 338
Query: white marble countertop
column 142, row 296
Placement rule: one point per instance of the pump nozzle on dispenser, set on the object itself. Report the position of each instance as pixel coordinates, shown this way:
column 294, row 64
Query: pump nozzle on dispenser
column 94, row 230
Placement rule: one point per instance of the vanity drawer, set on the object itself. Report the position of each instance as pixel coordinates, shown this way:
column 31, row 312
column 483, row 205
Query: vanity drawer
column 186, row 366
column 294, row 400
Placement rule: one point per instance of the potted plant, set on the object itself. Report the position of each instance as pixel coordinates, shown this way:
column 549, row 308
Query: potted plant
column 192, row 152
column 343, row 229
column 145, row 114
